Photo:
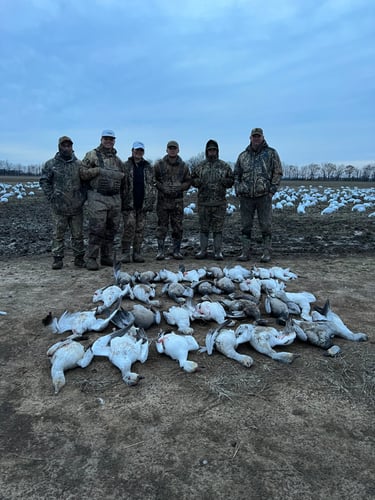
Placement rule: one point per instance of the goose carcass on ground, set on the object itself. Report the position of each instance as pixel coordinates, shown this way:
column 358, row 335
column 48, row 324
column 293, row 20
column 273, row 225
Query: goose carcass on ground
column 177, row 347
column 210, row 311
column 180, row 316
column 225, row 340
column 264, row 338
column 81, row 321
column 66, row 355
column 123, row 348
column 325, row 313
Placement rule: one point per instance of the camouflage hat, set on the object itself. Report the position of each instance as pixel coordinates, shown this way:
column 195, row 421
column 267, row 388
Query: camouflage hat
column 65, row 138
column 257, row 131
column 172, row 144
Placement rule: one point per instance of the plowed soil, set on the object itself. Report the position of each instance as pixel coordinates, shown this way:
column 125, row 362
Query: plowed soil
column 272, row 431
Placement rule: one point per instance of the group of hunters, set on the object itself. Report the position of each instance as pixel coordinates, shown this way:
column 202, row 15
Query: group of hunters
column 120, row 194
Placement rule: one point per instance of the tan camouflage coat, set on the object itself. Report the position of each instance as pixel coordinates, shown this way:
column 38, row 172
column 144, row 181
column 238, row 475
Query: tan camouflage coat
column 257, row 173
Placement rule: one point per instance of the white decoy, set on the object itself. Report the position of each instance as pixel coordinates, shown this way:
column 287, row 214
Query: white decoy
column 66, row 355
column 264, row 338
column 326, row 313
column 110, row 294
column 177, row 347
column 210, row 311
column 180, row 316
column 123, row 348
column 226, row 341
column 80, row 322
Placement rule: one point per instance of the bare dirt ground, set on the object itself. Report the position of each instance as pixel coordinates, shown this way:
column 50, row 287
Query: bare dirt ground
column 274, row 431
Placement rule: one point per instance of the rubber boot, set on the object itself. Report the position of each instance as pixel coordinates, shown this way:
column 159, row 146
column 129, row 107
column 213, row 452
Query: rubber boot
column 137, row 257
column 125, row 256
column 218, row 242
column 177, row 250
column 92, row 264
column 266, row 256
column 79, row 261
column 57, row 263
column 161, row 252
column 202, row 254
column 107, row 255
column 245, row 255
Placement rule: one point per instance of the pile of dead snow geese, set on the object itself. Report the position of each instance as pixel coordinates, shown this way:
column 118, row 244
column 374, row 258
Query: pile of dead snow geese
column 229, row 300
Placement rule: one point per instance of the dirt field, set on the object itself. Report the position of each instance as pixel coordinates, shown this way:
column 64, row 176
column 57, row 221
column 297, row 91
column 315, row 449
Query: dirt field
column 274, row 431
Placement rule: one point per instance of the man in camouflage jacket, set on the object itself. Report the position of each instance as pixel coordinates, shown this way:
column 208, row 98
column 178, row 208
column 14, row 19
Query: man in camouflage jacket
column 172, row 177
column 257, row 173
column 103, row 171
column 212, row 177
column 138, row 199
column 61, row 183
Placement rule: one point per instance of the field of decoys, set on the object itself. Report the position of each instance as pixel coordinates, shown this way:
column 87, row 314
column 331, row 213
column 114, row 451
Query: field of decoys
column 190, row 369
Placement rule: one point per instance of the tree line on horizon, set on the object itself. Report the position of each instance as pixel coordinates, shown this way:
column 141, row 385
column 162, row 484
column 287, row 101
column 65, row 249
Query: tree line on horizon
column 311, row 172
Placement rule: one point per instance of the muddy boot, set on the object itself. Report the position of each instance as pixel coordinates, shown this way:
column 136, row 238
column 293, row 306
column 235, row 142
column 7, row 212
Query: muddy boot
column 107, row 255
column 137, row 257
column 79, row 261
column 161, row 252
column 266, row 256
column 92, row 264
column 176, row 250
column 202, row 254
column 57, row 263
column 245, row 255
column 125, row 257
column 218, row 242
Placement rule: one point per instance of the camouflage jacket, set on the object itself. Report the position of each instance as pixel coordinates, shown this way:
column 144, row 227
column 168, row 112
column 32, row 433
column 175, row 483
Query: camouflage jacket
column 171, row 179
column 103, row 171
column 212, row 178
column 149, row 186
column 257, row 173
column 61, row 183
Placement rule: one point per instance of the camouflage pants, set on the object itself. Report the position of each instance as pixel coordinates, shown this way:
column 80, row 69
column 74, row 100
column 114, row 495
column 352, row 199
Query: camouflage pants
column 61, row 223
column 134, row 224
column 263, row 206
column 169, row 213
column 211, row 218
column 104, row 214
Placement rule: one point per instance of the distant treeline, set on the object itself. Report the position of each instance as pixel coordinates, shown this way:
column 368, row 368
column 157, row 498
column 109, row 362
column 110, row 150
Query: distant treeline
column 311, row 172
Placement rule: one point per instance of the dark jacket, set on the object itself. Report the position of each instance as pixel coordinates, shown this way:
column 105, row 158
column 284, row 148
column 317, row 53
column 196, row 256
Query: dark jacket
column 61, row 183
column 257, row 173
column 144, row 190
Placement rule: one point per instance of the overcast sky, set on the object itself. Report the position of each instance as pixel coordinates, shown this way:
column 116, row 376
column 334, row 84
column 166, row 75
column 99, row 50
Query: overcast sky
column 189, row 70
